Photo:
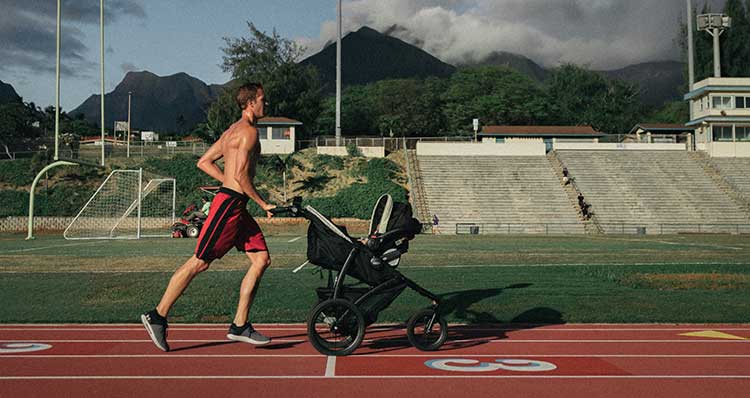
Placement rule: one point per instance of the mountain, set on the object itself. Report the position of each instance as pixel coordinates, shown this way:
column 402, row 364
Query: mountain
column 369, row 56
column 514, row 61
column 156, row 103
column 8, row 93
column 659, row 82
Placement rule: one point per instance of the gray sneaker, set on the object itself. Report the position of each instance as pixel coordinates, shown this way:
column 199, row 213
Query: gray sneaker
column 247, row 334
column 156, row 326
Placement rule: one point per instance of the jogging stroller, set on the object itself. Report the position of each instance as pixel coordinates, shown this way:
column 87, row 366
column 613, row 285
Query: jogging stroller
column 336, row 325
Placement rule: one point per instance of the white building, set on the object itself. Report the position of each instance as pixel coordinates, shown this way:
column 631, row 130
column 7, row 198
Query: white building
column 721, row 116
column 277, row 135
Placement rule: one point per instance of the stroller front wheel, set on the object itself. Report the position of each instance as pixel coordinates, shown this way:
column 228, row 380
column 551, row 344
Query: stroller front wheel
column 427, row 330
column 336, row 327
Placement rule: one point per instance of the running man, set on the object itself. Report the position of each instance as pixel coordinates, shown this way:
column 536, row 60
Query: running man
column 228, row 224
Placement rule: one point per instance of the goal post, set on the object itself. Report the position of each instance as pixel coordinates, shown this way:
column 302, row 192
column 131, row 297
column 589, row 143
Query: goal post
column 124, row 208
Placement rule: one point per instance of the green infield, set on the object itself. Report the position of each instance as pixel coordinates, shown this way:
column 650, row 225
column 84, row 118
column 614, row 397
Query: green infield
column 482, row 279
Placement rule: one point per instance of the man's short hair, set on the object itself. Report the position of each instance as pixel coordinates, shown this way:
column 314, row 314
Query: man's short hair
column 246, row 93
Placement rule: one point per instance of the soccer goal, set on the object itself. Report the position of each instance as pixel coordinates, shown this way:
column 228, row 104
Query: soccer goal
column 125, row 208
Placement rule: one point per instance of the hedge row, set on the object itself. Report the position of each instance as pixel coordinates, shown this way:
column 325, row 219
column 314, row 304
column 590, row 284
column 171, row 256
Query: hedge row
column 76, row 185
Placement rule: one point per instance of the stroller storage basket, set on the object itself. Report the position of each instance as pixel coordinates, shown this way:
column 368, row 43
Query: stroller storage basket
column 370, row 301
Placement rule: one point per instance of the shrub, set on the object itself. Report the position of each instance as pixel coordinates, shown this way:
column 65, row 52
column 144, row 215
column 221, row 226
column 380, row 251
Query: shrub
column 328, row 162
column 353, row 150
column 17, row 172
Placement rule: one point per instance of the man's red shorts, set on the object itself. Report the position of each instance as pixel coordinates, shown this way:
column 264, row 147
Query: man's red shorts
column 229, row 224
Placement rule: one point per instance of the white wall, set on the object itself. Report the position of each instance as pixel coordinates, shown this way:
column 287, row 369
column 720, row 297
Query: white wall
column 367, row 151
column 619, row 147
column 729, row 149
column 275, row 147
column 529, row 148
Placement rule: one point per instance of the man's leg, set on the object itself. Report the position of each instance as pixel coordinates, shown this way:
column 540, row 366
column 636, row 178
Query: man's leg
column 179, row 282
column 155, row 321
column 259, row 262
column 241, row 329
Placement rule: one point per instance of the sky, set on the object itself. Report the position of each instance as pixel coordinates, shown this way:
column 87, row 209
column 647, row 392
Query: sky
column 171, row 36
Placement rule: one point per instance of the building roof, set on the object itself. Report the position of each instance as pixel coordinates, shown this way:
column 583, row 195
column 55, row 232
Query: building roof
column 661, row 128
column 269, row 120
column 537, row 131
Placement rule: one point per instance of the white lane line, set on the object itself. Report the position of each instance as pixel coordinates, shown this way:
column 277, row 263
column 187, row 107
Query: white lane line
column 136, row 341
column 378, row 377
column 171, row 329
column 296, row 239
column 504, row 341
column 50, row 247
column 331, row 366
column 459, row 328
column 331, row 361
column 672, row 243
column 136, row 325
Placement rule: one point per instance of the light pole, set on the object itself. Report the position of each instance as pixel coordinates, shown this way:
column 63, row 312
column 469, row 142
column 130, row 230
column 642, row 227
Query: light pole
column 338, row 74
column 101, row 69
column 691, row 48
column 128, row 144
column 715, row 25
column 57, row 86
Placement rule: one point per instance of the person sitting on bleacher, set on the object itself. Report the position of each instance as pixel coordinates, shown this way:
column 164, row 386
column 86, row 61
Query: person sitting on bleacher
column 566, row 177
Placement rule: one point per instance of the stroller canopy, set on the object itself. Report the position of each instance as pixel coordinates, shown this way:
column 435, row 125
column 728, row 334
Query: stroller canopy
column 329, row 245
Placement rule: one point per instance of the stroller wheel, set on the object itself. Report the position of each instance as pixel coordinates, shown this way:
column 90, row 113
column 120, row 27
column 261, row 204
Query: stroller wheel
column 427, row 330
column 336, row 327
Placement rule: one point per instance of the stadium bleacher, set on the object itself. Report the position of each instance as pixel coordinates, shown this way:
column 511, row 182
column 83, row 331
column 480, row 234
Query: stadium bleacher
column 662, row 191
column 736, row 171
column 498, row 194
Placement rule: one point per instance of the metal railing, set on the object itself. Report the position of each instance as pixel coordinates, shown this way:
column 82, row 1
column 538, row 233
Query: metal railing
column 612, row 228
column 520, row 229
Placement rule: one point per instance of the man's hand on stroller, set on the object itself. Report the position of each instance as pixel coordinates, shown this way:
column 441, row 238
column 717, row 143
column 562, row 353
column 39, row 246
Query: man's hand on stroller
column 268, row 207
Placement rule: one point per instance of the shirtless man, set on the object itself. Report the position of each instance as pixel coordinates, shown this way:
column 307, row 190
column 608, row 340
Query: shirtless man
column 228, row 224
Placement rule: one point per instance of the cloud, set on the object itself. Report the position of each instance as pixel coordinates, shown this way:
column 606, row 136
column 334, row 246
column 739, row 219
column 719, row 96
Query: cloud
column 128, row 67
column 603, row 34
column 28, row 33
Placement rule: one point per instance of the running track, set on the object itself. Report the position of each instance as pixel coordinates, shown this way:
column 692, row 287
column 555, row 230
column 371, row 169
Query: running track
column 587, row 360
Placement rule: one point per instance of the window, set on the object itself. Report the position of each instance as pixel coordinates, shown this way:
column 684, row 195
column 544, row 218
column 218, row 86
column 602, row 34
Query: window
column 722, row 102
column 740, row 102
column 281, row 133
column 743, row 133
column 722, row 133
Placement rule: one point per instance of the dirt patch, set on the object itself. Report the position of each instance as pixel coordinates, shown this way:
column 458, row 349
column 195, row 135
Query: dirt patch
column 689, row 281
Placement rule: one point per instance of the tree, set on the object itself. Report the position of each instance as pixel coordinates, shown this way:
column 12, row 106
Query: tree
column 220, row 116
column 495, row 95
column 293, row 90
column 17, row 126
column 735, row 55
column 581, row 97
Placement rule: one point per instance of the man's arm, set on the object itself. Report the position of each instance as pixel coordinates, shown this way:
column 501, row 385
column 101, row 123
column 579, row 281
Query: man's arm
column 242, row 172
column 207, row 162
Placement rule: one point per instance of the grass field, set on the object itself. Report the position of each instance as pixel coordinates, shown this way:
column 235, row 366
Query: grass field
column 482, row 279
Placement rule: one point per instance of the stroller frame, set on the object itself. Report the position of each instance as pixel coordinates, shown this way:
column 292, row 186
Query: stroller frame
column 341, row 313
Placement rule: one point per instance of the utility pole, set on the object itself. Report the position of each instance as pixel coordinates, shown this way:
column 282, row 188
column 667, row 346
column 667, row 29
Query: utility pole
column 338, row 74
column 57, row 86
column 128, row 144
column 101, row 69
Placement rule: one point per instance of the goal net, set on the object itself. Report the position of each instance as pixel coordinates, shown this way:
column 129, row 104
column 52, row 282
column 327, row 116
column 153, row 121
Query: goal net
column 126, row 207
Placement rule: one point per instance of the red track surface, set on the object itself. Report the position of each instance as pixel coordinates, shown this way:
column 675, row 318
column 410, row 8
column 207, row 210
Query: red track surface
column 590, row 360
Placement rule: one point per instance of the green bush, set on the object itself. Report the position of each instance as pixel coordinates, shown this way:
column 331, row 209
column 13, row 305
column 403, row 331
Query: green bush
column 353, row 150
column 328, row 162
column 357, row 200
column 17, row 172
column 378, row 169
column 15, row 203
